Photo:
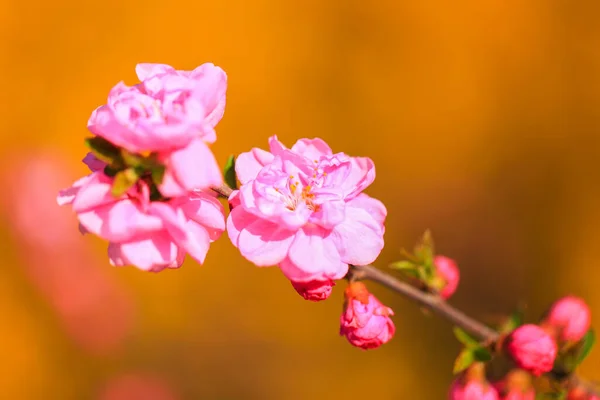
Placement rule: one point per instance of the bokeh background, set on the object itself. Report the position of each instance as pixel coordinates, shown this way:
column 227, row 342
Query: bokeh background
column 482, row 118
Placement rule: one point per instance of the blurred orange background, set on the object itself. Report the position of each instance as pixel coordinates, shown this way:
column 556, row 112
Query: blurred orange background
column 482, row 118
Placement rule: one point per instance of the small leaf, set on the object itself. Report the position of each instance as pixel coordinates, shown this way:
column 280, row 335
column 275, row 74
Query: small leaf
column 229, row 173
column 465, row 338
column 463, row 361
column 103, row 149
column 482, row 354
column 513, row 321
column 158, row 174
column 403, row 265
column 424, row 250
column 123, row 181
column 586, row 346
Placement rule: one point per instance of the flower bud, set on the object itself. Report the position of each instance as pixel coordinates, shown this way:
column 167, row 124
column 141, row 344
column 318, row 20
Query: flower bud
column 570, row 317
column 473, row 386
column 532, row 349
column 365, row 322
column 448, row 271
column 516, row 385
column 314, row 290
column 579, row 393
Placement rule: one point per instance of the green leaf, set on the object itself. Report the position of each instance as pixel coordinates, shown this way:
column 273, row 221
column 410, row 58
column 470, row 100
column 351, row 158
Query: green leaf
column 158, row 173
column 513, row 321
column 463, row 361
column 482, row 354
column 123, row 181
column 103, row 149
column 586, row 346
column 424, row 249
column 229, row 173
column 403, row 265
column 465, row 338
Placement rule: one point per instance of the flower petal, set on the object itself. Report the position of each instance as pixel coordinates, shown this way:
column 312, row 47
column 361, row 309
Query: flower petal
column 119, row 221
column 247, row 165
column 313, row 256
column 195, row 166
column 359, row 239
column 312, row 148
column 260, row 241
column 205, row 210
column 96, row 191
column 153, row 253
column 148, row 70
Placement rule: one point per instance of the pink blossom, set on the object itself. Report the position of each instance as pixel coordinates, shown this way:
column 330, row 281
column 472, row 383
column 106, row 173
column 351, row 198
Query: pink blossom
column 532, row 349
column 571, row 317
column 365, row 322
column 472, row 390
column 172, row 114
column 303, row 209
column 150, row 235
column 167, row 110
column 314, row 290
column 447, row 270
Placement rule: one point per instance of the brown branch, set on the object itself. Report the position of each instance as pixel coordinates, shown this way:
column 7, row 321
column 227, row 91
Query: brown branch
column 440, row 307
column 223, row 190
column 434, row 303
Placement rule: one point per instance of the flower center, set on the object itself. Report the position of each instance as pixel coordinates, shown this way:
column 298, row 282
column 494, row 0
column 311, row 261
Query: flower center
column 295, row 193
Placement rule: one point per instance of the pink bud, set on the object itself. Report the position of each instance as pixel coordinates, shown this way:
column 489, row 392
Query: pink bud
column 581, row 394
column 472, row 390
column 314, row 290
column 365, row 322
column 571, row 317
column 450, row 274
column 519, row 395
column 532, row 349
column 516, row 385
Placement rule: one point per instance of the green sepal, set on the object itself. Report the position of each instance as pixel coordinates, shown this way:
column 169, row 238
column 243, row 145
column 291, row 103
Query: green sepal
column 123, row 181
column 158, row 174
column 104, row 150
column 585, row 346
column 229, row 174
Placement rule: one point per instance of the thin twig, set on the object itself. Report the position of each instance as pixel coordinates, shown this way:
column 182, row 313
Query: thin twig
column 223, row 190
column 433, row 302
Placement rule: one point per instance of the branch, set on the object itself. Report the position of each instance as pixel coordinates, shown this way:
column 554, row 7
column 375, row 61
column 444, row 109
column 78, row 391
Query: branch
column 438, row 306
column 223, row 190
column 434, row 303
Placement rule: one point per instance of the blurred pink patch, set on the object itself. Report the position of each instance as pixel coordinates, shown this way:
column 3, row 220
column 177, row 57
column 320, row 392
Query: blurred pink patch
column 137, row 387
column 94, row 308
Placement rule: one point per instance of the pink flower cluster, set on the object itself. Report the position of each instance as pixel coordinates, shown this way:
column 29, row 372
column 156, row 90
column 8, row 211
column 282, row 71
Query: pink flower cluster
column 303, row 209
column 170, row 115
